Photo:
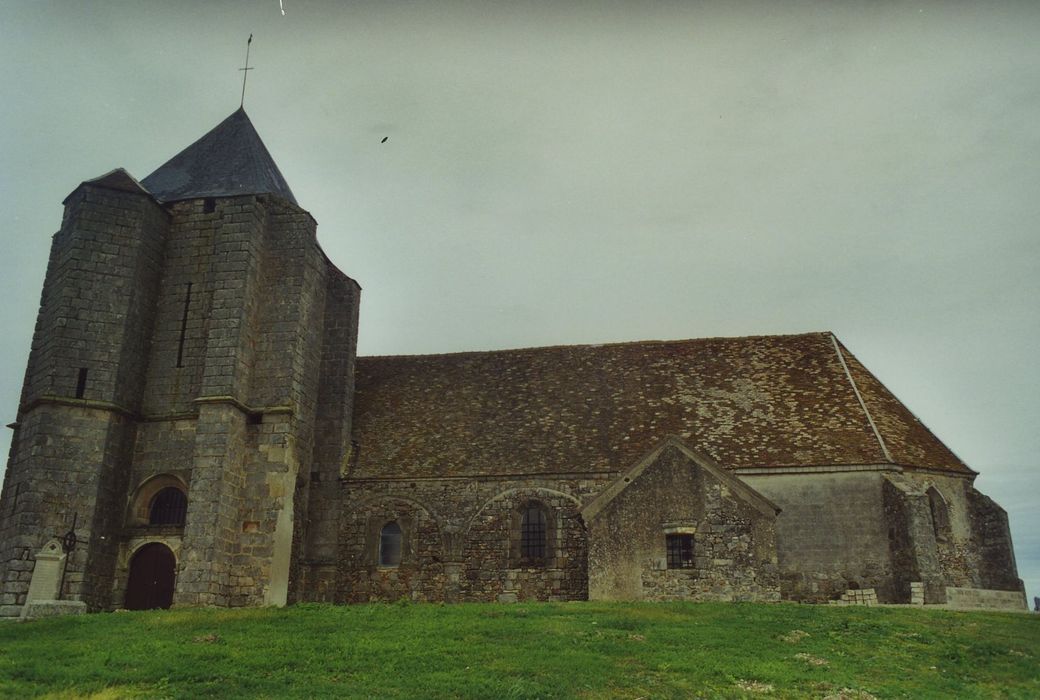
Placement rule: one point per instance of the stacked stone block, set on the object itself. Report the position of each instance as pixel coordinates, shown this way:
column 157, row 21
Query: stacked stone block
column 857, row 596
column 984, row 599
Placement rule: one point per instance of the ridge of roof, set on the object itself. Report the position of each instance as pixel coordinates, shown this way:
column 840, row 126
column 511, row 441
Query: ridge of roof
column 116, row 179
column 582, row 346
column 229, row 160
column 908, row 440
column 859, row 397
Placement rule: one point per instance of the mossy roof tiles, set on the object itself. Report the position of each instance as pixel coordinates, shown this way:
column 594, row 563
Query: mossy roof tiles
column 752, row 402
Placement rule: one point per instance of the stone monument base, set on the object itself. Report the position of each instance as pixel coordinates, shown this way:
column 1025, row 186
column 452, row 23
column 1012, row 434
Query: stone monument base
column 36, row 609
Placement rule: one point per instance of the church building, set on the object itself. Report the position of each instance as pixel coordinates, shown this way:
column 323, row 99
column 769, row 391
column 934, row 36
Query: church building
column 195, row 429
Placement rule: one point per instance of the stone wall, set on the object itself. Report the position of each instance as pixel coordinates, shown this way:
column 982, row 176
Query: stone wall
column 460, row 540
column 992, row 539
column 70, row 453
column 284, row 386
column 493, row 566
column 251, row 371
column 185, row 311
column 983, row 599
column 314, row 576
column 231, row 396
column 947, row 535
column 673, row 494
column 232, row 269
column 420, row 574
column 95, row 311
column 212, row 528
column 831, row 533
column 912, row 541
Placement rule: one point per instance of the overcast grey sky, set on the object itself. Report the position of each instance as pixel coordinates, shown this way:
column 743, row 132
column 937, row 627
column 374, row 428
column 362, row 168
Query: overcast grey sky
column 567, row 172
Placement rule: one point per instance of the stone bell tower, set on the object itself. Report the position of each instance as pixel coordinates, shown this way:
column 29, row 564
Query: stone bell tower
column 189, row 390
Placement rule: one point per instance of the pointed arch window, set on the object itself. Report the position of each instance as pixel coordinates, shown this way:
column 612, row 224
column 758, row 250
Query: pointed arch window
column 390, row 540
column 940, row 514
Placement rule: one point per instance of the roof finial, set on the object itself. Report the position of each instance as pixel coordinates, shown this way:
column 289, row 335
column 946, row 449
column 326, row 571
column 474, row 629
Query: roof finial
column 245, row 73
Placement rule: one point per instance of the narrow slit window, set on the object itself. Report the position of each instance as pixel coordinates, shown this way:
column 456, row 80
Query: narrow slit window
column 81, row 383
column 680, row 551
column 184, row 326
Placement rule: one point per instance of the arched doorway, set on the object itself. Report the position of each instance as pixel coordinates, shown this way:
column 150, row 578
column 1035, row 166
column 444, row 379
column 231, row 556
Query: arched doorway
column 152, row 573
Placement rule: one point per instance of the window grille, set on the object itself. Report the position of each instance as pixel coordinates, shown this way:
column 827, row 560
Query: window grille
column 680, row 551
column 532, row 533
column 169, row 507
column 390, row 544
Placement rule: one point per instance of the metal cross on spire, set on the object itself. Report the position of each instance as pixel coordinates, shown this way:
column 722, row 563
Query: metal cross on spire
column 245, row 72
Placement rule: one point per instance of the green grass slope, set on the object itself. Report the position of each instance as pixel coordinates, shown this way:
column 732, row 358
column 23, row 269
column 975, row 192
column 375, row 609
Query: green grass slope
column 567, row 650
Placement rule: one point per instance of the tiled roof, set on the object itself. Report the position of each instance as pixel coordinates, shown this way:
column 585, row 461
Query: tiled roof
column 908, row 441
column 756, row 402
column 229, row 160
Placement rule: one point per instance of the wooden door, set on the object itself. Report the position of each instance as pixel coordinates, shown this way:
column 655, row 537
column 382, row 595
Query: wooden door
column 152, row 573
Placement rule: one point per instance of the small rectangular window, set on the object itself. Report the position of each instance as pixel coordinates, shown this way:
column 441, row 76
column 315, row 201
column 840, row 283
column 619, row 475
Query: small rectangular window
column 81, row 383
column 680, row 551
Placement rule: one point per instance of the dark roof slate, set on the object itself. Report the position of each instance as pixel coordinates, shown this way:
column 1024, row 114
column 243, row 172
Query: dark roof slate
column 753, row 402
column 118, row 179
column 229, row 160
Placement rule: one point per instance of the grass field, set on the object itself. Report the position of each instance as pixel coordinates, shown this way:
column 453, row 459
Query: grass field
column 566, row 650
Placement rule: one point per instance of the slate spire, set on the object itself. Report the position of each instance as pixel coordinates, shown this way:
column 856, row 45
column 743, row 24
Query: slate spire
column 229, row 160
